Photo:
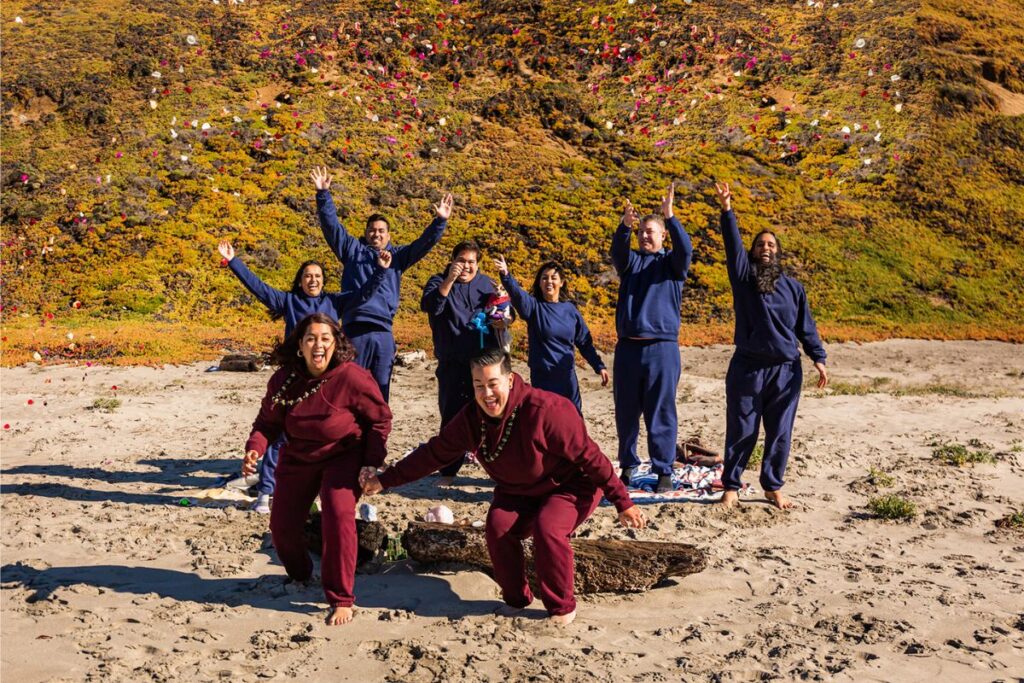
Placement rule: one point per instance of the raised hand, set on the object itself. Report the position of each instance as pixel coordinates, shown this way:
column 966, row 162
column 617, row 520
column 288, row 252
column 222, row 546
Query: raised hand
column 321, row 179
column 633, row 518
column 454, row 271
column 724, row 196
column 226, row 250
column 822, row 375
column 666, row 201
column 249, row 463
column 502, row 266
column 630, row 215
column 443, row 208
column 384, row 258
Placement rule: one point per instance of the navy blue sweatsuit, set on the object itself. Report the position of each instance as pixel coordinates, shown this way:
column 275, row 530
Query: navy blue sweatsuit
column 554, row 329
column 368, row 323
column 764, row 376
column 293, row 308
column 455, row 341
column 646, row 369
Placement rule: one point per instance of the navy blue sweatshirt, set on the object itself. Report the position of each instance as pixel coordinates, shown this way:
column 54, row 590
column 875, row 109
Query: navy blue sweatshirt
column 455, row 338
column 294, row 307
column 360, row 260
column 555, row 330
column 650, row 285
column 769, row 327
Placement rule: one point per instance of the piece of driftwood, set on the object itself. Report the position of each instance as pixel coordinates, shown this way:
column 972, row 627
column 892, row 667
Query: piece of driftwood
column 372, row 537
column 240, row 362
column 602, row 566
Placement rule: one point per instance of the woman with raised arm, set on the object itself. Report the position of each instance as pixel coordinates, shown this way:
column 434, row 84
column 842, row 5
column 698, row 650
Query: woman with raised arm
column 555, row 329
column 307, row 296
column 337, row 422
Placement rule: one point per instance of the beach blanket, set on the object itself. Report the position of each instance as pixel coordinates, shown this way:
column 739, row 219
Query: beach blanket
column 690, row 482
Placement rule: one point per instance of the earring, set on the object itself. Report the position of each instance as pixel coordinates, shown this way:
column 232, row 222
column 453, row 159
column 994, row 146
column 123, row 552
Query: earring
column 299, row 353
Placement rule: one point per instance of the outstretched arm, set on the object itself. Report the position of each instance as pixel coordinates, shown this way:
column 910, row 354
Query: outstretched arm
column 341, row 243
column 736, row 259
column 620, row 240
column 408, row 255
column 274, row 299
column 452, row 443
column 682, row 249
column 522, row 301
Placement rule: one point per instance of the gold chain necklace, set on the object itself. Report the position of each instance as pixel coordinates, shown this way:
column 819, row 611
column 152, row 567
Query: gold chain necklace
column 277, row 397
column 506, row 433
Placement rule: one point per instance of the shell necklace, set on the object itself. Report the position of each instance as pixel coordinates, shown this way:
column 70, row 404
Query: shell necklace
column 485, row 453
column 278, row 398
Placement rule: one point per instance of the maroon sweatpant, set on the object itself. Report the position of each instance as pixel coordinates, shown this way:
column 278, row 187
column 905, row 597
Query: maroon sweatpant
column 337, row 482
column 550, row 520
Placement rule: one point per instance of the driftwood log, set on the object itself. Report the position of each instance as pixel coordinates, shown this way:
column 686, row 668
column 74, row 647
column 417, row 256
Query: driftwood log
column 602, row 566
column 240, row 362
column 372, row 537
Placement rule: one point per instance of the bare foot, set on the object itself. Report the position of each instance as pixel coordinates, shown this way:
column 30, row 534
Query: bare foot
column 339, row 615
column 445, row 481
column 508, row 611
column 562, row 619
column 730, row 499
column 779, row 500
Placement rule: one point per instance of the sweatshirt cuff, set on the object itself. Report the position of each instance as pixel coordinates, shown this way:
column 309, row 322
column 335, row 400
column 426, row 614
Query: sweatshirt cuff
column 257, row 442
column 389, row 478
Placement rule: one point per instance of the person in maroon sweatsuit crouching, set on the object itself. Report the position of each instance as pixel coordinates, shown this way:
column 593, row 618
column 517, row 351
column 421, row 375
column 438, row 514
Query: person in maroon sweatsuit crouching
column 337, row 422
column 549, row 477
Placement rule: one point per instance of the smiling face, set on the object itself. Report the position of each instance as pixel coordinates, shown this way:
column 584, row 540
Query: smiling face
column 377, row 234
column 312, row 280
column 317, row 346
column 550, row 284
column 650, row 236
column 766, row 248
column 491, row 386
column 469, row 261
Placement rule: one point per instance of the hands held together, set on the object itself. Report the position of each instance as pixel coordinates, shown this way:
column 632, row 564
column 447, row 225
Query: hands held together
column 369, row 482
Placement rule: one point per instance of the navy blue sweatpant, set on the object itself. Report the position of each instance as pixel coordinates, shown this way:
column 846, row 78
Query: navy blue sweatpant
column 268, row 467
column 454, row 391
column 561, row 383
column 375, row 351
column 756, row 391
column 645, row 377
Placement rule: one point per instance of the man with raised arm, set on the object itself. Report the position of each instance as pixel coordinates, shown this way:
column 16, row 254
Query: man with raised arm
column 646, row 368
column 368, row 323
column 764, row 378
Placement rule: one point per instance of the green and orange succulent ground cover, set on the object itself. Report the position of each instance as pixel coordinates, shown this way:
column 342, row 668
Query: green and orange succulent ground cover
column 885, row 141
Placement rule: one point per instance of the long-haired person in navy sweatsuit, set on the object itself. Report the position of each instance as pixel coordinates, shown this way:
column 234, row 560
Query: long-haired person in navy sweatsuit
column 555, row 329
column 368, row 323
column 337, row 423
column 306, row 296
column 646, row 369
column 773, row 320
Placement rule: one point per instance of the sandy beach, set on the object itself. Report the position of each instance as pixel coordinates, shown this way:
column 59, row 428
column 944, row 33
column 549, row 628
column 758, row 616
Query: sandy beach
column 107, row 576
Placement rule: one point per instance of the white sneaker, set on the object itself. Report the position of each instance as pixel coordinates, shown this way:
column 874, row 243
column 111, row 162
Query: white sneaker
column 262, row 504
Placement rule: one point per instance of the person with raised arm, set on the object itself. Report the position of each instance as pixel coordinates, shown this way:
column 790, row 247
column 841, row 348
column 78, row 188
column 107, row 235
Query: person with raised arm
column 646, row 367
column 453, row 301
column 368, row 324
column 773, row 320
column 549, row 477
column 555, row 329
column 337, row 423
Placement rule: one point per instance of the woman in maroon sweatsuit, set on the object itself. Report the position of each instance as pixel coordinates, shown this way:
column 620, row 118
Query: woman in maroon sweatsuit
column 549, row 474
column 337, row 422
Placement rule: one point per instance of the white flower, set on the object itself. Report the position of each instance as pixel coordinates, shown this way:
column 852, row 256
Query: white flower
column 191, row 39
column 609, row 125
column 860, row 43
column 156, row 74
column 899, row 107
column 894, row 78
column 152, row 104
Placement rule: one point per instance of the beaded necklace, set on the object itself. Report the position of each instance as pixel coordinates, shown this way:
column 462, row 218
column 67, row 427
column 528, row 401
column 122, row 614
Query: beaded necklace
column 506, row 433
column 277, row 397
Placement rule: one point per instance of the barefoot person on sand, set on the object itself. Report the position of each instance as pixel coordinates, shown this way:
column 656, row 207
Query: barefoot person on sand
column 555, row 328
column 646, row 365
column 764, row 378
column 549, row 476
column 337, row 422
